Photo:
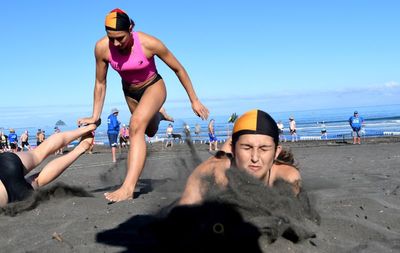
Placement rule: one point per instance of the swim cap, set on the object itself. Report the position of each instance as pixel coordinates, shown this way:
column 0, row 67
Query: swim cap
column 118, row 20
column 255, row 122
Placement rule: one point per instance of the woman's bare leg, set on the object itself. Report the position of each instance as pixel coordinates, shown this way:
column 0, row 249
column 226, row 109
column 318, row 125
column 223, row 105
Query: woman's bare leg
column 57, row 166
column 142, row 115
column 165, row 116
column 33, row 158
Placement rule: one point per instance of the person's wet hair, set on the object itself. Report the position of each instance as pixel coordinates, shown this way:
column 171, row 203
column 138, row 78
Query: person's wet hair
column 286, row 157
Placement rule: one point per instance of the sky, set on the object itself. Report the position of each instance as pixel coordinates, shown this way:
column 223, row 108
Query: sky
column 273, row 55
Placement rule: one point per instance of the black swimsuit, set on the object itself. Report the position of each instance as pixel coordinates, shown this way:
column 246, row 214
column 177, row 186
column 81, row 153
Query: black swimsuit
column 13, row 178
column 137, row 95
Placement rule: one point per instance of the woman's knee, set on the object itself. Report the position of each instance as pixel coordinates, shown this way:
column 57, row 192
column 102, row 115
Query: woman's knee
column 136, row 126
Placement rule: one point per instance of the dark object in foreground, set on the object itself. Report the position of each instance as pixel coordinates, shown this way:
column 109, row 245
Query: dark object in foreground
column 210, row 227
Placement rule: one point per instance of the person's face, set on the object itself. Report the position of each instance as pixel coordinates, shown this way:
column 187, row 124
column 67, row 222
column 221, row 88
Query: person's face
column 120, row 39
column 255, row 153
column 355, row 114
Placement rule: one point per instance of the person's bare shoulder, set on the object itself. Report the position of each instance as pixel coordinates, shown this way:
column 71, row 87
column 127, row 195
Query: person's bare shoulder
column 208, row 167
column 195, row 186
column 151, row 43
column 289, row 174
column 102, row 48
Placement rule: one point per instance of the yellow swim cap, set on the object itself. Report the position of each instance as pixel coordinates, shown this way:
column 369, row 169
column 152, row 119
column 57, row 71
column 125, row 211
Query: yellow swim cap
column 118, row 20
column 255, row 122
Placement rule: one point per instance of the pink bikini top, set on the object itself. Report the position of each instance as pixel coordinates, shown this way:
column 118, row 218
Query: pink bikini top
column 134, row 68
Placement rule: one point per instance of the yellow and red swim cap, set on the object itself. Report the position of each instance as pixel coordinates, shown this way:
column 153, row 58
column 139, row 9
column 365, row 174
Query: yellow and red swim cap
column 255, row 122
column 118, row 20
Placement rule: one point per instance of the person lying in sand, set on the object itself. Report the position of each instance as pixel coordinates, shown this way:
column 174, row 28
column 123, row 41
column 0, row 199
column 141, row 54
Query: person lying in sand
column 14, row 166
column 253, row 148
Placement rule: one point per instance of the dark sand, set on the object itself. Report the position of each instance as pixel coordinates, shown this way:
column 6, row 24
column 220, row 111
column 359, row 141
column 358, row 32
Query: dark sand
column 354, row 188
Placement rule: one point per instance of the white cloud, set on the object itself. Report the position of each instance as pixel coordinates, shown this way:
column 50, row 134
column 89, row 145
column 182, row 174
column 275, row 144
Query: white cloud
column 392, row 84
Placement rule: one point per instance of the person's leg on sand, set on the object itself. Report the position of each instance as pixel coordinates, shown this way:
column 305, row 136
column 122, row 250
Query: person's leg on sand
column 34, row 157
column 145, row 119
column 112, row 139
column 165, row 116
column 114, row 156
column 57, row 166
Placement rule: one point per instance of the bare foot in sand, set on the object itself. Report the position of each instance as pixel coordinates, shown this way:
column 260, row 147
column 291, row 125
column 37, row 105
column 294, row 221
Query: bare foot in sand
column 119, row 195
column 165, row 116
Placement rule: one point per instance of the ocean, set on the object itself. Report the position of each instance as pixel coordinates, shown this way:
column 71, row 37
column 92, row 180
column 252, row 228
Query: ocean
column 381, row 120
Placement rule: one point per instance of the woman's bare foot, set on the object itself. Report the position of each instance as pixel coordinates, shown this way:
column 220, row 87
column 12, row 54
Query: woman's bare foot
column 119, row 195
column 165, row 116
column 85, row 143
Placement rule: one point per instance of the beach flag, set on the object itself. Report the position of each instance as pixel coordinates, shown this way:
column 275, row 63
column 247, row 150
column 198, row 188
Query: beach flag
column 233, row 118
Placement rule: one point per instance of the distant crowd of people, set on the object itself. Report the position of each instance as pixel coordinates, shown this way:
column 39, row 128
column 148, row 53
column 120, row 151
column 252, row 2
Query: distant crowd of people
column 11, row 142
column 119, row 135
column 356, row 123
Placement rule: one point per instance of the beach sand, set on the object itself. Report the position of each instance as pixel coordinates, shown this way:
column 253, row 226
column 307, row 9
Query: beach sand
column 354, row 188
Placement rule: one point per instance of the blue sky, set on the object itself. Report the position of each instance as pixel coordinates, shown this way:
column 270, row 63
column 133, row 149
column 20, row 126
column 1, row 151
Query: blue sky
column 274, row 55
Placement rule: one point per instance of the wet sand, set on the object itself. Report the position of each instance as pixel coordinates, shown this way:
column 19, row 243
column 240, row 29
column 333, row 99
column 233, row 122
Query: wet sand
column 354, row 188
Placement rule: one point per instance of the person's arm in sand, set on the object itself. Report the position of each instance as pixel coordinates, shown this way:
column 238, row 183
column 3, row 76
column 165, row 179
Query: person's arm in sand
column 101, row 55
column 156, row 47
column 196, row 185
column 289, row 174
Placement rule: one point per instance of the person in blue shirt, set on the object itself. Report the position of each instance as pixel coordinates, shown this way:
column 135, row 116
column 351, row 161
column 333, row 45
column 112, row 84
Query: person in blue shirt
column 13, row 140
column 113, row 131
column 356, row 122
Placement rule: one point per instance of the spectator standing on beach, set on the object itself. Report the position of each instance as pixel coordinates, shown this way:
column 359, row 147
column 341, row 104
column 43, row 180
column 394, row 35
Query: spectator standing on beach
column 293, row 128
column 113, row 131
column 280, row 126
column 356, row 123
column 197, row 129
column 186, row 129
column 40, row 137
column 37, row 136
column 123, row 137
column 254, row 148
column 61, row 150
column 168, row 133
column 324, row 132
column 212, row 136
column 132, row 55
column 3, row 142
column 24, row 139
column 13, row 140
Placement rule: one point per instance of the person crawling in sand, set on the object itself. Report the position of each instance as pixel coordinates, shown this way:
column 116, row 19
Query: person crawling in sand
column 253, row 148
column 15, row 166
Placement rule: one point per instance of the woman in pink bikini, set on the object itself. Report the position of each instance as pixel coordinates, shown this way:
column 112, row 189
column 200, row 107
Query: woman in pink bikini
column 131, row 54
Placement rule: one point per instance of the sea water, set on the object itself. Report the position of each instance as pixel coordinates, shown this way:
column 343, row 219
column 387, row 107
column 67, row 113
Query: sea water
column 379, row 121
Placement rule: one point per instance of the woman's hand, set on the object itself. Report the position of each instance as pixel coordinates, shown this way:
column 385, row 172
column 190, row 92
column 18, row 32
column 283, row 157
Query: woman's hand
column 200, row 110
column 86, row 121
